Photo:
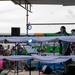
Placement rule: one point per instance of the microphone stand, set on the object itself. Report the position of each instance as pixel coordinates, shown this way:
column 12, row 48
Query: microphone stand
column 54, row 53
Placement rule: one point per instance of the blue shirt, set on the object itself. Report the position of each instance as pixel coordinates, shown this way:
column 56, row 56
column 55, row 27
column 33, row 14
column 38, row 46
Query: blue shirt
column 64, row 44
column 20, row 50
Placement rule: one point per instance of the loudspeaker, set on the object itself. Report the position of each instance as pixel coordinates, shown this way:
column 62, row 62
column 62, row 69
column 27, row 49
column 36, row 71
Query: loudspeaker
column 46, row 70
column 71, row 69
column 27, row 67
column 15, row 31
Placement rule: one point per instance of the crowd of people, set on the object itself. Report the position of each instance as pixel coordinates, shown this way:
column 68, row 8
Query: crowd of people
column 15, row 50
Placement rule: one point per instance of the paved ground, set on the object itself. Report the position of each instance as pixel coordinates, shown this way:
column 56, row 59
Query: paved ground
column 24, row 73
column 20, row 73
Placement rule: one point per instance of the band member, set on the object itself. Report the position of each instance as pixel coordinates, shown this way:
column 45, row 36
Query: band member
column 64, row 46
column 72, row 45
column 43, row 48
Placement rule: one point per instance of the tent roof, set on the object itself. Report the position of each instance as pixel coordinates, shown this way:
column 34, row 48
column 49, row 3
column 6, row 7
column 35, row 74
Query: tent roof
column 42, row 1
column 56, row 2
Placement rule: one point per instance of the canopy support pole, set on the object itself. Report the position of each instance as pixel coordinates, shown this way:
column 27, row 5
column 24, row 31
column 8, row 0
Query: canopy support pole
column 27, row 7
column 27, row 21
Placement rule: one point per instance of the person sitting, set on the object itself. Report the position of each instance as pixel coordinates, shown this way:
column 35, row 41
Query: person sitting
column 20, row 49
column 38, row 49
column 8, row 50
column 43, row 49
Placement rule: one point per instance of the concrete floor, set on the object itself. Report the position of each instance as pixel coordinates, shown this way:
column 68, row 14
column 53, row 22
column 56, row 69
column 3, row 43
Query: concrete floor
column 12, row 72
column 24, row 73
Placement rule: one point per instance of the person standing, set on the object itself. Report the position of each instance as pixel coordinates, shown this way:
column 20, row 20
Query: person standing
column 72, row 45
column 8, row 50
column 64, row 47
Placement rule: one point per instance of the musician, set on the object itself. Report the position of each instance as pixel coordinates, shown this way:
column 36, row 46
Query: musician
column 20, row 49
column 38, row 49
column 43, row 48
column 8, row 50
column 64, row 46
column 72, row 45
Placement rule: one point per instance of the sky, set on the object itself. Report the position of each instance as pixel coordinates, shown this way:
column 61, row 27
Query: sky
column 12, row 15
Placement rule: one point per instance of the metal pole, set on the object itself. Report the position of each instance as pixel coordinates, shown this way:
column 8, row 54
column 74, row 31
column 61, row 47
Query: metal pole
column 27, row 21
column 54, row 54
column 17, row 67
column 39, row 67
column 30, row 67
column 52, row 23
